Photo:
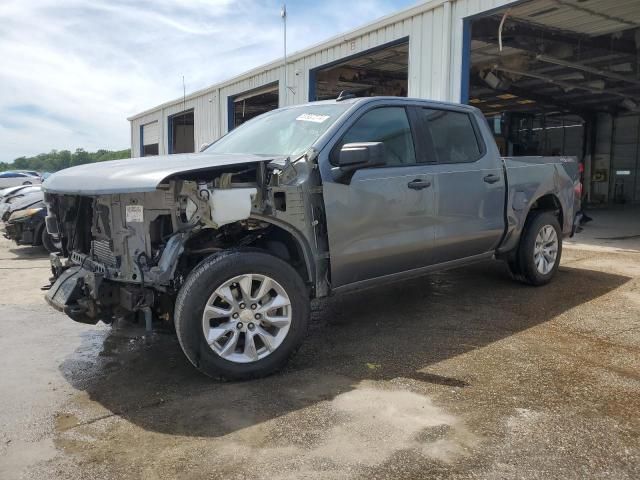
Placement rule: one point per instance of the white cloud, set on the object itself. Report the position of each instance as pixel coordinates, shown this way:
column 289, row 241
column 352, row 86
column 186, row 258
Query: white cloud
column 71, row 71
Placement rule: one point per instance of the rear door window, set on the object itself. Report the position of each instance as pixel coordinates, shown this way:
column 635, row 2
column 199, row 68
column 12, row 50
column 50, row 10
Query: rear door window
column 453, row 136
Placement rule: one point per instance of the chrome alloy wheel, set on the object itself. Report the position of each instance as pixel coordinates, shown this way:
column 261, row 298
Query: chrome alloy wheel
column 247, row 318
column 545, row 251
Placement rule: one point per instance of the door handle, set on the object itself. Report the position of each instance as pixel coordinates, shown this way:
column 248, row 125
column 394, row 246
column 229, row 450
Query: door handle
column 491, row 178
column 418, row 184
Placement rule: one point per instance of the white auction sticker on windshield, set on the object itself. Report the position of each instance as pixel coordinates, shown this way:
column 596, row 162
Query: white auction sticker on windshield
column 134, row 213
column 311, row 117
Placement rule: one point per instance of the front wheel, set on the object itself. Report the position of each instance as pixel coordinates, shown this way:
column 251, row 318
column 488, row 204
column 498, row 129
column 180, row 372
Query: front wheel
column 540, row 250
column 241, row 314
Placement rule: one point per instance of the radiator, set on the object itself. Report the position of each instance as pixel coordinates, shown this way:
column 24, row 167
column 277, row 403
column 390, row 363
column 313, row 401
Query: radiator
column 102, row 252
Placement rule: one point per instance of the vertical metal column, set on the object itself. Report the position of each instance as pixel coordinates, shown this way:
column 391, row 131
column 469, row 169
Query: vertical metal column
column 634, row 198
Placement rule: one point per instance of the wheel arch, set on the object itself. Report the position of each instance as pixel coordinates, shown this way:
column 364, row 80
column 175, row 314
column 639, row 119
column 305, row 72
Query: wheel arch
column 295, row 246
column 278, row 239
column 548, row 202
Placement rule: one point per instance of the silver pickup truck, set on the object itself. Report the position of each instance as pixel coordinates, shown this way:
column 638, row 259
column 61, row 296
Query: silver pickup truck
column 231, row 244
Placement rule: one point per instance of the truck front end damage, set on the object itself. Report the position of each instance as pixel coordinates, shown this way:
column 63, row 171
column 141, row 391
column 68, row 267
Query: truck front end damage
column 125, row 253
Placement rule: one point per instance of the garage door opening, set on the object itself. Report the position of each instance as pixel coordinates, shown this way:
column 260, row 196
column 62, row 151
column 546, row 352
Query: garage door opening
column 181, row 133
column 248, row 105
column 563, row 78
column 149, row 139
column 381, row 71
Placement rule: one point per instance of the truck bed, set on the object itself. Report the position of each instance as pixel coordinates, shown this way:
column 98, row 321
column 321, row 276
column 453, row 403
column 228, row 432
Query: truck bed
column 528, row 177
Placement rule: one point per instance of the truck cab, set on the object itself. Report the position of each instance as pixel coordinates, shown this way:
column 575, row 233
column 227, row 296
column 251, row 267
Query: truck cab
column 436, row 194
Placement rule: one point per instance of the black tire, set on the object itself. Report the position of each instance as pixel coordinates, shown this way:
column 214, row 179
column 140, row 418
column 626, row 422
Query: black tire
column 47, row 242
column 37, row 235
column 27, row 183
column 200, row 285
column 522, row 265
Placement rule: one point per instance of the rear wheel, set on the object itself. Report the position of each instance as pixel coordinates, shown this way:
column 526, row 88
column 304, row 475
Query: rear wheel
column 241, row 314
column 540, row 250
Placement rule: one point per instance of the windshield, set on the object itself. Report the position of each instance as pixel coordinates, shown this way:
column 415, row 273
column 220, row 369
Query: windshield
column 287, row 132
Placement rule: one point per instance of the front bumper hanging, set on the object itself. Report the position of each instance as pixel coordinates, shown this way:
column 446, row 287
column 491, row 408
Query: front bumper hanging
column 67, row 293
column 86, row 295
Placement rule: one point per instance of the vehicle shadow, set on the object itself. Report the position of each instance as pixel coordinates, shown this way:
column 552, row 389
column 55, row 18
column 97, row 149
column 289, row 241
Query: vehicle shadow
column 396, row 331
column 27, row 251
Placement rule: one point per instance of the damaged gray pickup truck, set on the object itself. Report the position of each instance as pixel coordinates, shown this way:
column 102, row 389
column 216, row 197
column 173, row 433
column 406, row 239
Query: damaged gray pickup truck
column 231, row 244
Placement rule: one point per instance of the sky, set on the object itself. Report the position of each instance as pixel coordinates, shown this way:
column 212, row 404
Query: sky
column 72, row 71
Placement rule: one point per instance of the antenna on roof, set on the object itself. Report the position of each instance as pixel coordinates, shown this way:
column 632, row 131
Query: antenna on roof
column 184, row 106
column 283, row 14
column 184, row 94
column 344, row 95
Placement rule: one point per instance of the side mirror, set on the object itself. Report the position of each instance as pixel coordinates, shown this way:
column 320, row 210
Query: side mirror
column 203, row 147
column 355, row 156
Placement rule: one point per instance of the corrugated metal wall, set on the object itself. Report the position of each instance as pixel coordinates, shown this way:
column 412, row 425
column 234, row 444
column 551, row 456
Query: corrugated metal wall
column 625, row 159
column 598, row 168
column 435, row 31
column 615, row 170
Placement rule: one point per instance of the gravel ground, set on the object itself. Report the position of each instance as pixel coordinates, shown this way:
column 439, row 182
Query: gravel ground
column 462, row 374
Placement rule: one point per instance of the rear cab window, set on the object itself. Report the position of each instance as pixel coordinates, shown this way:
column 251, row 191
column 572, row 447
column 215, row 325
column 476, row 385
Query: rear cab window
column 453, row 135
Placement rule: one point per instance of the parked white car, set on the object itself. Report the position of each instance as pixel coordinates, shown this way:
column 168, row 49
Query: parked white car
column 23, row 198
column 10, row 179
column 5, row 192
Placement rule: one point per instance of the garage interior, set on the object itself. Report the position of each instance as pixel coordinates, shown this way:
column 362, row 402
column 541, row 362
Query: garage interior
column 562, row 77
column 181, row 133
column 383, row 71
column 254, row 103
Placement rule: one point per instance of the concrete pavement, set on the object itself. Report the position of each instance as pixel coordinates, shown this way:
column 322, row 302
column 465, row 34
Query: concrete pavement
column 462, row 374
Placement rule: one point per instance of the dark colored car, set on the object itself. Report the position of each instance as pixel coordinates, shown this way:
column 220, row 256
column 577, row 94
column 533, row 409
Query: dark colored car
column 27, row 227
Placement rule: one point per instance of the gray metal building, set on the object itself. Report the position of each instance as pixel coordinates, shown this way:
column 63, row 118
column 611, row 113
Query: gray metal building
column 551, row 76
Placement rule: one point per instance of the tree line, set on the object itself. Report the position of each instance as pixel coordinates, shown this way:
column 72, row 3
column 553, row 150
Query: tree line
column 58, row 159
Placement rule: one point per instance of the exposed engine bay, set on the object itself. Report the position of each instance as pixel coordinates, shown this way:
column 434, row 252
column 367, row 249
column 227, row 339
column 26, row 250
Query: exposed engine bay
column 126, row 253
